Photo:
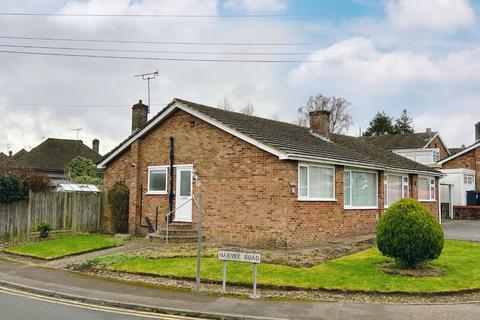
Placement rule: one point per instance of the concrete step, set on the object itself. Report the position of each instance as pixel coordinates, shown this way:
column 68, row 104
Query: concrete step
column 181, row 232
column 181, row 226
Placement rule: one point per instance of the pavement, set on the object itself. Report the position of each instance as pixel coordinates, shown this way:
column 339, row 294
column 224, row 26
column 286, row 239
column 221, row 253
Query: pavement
column 73, row 286
column 468, row 230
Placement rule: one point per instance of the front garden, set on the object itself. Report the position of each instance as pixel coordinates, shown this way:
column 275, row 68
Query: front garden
column 356, row 272
column 65, row 245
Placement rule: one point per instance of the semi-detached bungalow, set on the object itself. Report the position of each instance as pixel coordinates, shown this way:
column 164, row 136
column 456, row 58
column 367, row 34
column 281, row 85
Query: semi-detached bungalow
column 263, row 182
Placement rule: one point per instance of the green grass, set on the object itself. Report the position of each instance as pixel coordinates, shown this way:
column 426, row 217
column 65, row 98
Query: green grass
column 62, row 246
column 358, row 272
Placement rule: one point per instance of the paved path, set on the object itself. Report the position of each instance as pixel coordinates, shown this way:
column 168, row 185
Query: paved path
column 93, row 288
column 130, row 245
column 462, row 229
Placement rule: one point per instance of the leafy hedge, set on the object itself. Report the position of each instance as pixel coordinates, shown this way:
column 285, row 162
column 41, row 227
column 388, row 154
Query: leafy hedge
column 118, row 201
column 409, row 233
column 11, row 189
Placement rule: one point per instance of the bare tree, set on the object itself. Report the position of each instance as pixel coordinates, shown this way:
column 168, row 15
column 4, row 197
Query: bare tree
column 340, row 117
column 248, row 109
column 225, row 104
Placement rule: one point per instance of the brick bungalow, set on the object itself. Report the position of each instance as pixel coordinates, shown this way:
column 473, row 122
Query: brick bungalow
column 263, row 182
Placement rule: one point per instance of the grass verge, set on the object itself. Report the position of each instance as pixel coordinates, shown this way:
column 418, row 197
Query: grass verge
column 356, row 272
column 62, row 246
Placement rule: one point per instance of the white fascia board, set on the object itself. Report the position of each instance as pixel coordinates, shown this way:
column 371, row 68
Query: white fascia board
column 424, row 147
column 453, row 156
column 140, row 133
column 233, row 132
column 358, row 165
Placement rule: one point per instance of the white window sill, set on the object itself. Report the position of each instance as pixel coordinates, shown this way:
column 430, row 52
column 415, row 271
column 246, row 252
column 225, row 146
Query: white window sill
column 422, row 200
column 317, row 199
column 156, row 193
column 360, row 208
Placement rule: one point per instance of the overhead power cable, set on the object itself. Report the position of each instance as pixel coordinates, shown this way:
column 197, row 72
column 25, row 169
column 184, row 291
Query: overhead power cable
column 157, row 51
column 21, row 104
column 163, row 42
column 153, row 58
column 166, row 15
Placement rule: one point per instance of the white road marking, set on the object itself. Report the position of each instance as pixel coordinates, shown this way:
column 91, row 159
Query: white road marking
column 82, row 305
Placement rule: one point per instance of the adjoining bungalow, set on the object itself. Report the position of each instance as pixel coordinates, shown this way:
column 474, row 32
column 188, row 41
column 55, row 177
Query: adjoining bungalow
column 462, row 170
column 51, row 156
column 263, row 182
column 425, row 147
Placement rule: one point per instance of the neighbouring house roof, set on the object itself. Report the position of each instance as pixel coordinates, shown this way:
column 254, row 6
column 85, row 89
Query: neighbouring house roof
column 54, row 154
column 461, row 152
column 287, row 141
column 417, row 140
column 455, row 150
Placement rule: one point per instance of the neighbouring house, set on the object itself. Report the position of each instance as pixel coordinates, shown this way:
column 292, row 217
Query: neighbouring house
column 263, row 182
column 462, row 169
column 424, row 147
column 51, row 156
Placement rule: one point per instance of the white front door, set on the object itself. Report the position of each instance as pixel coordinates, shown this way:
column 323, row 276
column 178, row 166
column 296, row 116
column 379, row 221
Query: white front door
column 183, row 194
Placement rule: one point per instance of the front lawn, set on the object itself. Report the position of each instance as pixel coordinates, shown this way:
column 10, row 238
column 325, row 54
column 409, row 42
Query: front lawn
column 358, row 272
column 62, row 246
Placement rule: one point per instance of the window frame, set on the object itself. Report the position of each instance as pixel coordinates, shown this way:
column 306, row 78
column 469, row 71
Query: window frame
column 467, row 177
column 350, row 206
column 308, row 165
column 405, row 186
column 157, row 168
column 430, row 179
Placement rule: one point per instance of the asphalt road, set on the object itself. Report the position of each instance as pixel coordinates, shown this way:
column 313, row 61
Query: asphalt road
column 15, row 305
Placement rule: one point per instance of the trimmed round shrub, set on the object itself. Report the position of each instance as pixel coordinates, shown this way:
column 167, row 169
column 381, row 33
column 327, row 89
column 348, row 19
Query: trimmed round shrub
column 11, row 189
column 409, row 233
column 118, row 201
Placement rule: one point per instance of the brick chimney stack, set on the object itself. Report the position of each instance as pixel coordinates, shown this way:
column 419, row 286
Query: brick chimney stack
column 96, row 145
column 320, row 122
column 429, row 132
column 10, row 153
column 477, row 131
column 139, row 116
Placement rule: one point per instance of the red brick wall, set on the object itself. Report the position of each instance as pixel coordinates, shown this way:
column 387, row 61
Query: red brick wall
column 437, row 143
column 246, row 193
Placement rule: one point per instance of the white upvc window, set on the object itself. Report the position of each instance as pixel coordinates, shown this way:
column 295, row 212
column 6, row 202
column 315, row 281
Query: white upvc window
column 157, row 179
column 396, row 188
column 316, row 182
column 426, row 188
column 468, row 179
column 360, row 189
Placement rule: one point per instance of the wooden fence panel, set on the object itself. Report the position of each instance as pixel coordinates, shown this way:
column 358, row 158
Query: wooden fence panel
column 77, row 212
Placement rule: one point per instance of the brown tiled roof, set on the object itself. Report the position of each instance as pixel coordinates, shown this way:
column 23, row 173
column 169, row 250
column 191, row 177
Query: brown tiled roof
column 401, row 141
column 297, row 140
column 54, row 154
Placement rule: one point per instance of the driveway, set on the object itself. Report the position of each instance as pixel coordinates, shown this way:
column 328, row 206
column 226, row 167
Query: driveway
column 462, row 229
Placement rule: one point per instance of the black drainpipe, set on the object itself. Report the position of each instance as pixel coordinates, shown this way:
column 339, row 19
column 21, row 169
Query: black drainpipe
column 170, row 189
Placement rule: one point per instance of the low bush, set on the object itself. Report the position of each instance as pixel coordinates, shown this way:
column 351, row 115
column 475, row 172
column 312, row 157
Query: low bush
column 118, row 201
column 409, row 233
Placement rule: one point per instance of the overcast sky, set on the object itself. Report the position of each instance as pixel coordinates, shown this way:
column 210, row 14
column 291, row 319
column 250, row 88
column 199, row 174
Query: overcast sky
column 423, row 56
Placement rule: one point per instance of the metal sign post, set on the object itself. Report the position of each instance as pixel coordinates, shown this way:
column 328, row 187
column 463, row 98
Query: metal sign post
column 199, row 239
column 254, row 258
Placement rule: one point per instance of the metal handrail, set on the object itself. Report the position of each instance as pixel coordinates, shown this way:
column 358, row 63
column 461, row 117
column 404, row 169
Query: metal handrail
column 167, row 216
